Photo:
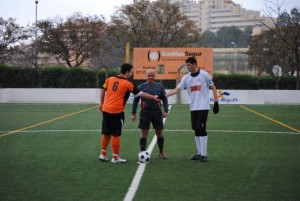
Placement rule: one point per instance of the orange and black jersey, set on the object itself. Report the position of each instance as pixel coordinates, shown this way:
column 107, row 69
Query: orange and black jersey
column 118, row 90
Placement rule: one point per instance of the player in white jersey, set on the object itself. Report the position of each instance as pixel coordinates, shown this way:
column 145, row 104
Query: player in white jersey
column 197, row 83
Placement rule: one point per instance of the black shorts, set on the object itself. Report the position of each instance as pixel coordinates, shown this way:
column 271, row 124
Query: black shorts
column 112, row 123
column 198, row 119
column 151, row 116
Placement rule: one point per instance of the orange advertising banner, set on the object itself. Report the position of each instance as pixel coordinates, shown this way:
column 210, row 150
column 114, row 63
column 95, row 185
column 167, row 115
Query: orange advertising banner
column 169, row 63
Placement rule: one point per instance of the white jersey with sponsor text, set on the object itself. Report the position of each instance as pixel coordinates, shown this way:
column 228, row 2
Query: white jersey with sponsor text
column 198, row 89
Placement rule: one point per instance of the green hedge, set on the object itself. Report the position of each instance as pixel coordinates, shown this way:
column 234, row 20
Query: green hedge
column 54, row 77
column 235, row 81
column 63, row 77
column 17, row 77
column 80, row 78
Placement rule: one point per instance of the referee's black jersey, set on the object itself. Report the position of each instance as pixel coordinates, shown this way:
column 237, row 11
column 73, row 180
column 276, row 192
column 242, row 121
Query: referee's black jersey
column 148, row 104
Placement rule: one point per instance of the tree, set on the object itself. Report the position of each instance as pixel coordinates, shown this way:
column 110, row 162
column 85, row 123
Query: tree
column 107, row 56
column 247, row 37
column 209, row 39
column 224, row 37
column 158, row 23
column 287, row 30
column 171, row 28
column 72, row 41
column 266, row 51
column 10, row 34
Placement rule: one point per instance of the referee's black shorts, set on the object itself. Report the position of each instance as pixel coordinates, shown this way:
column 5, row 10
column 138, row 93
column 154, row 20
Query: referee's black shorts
column 151, row 116
column 112, row 124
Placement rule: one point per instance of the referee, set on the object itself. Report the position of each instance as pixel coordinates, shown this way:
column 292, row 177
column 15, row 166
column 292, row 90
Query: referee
column 151, row 112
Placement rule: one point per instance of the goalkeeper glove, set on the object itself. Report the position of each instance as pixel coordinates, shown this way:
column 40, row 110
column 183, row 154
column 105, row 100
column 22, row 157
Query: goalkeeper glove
column 216, row 107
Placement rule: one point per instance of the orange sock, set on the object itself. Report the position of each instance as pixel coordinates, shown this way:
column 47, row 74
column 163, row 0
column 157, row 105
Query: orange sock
column 115, row 144
column 104, row 143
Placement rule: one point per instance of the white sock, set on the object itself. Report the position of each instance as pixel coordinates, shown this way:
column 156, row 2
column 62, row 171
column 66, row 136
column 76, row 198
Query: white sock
column 198, row 144
column 203, row 142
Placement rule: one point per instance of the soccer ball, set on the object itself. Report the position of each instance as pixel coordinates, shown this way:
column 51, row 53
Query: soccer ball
column 144, row 157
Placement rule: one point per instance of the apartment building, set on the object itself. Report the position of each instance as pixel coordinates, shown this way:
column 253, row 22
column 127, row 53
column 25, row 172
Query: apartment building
column 213, row 14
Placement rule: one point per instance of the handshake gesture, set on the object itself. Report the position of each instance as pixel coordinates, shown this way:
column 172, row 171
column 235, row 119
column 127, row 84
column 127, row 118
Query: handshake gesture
column 159, row 98
column 162, row 97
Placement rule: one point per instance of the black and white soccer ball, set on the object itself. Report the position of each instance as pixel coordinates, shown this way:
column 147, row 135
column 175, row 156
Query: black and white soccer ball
column 144, row 157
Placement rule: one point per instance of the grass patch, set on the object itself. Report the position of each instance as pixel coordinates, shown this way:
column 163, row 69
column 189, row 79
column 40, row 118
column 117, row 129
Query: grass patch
column 249, row 157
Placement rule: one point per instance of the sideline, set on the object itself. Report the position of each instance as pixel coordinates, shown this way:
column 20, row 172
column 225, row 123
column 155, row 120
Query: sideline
column 278, row 122
column 139, row 172
column 45, row 122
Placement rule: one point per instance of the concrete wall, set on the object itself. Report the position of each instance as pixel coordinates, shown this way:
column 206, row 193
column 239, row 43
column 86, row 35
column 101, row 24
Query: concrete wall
column 52, row 95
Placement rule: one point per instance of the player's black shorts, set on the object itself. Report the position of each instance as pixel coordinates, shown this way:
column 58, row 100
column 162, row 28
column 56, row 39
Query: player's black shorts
column 151, row 116
column 112, row 123
column 198, row 119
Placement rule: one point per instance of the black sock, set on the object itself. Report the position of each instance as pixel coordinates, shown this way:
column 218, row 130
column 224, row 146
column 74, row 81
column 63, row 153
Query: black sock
column 160, row 143
column 143, row 143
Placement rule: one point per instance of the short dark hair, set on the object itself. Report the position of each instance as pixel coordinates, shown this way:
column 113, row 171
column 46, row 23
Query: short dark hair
column 126, row 68
column 191, row 60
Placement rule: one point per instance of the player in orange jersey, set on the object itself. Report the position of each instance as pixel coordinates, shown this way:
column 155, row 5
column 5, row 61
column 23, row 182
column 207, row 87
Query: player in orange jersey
column 114, row 95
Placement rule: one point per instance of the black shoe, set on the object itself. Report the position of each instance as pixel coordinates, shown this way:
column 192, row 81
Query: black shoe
column 203, row 158
column 196, row 157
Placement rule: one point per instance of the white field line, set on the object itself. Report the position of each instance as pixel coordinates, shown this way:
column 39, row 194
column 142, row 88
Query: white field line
column 165, row 130
column 139, row 173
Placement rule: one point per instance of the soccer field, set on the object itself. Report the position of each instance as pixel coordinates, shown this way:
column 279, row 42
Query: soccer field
column 49, row 152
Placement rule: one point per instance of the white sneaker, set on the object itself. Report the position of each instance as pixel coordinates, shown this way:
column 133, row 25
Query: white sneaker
column 103, row 158
column 119, row 160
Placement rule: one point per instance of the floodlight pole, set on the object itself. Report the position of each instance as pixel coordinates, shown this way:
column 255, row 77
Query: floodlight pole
column 35, row 45
column 234, row 57
column 36, row 48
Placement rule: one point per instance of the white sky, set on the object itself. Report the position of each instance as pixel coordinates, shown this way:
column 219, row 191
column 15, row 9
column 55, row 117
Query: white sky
column 24, row 10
